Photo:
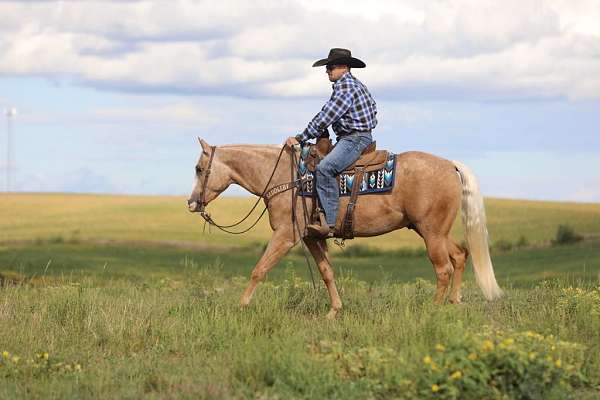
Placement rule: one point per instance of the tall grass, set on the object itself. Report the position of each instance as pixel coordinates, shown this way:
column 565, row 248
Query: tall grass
column 89, row 308
column 187, row 337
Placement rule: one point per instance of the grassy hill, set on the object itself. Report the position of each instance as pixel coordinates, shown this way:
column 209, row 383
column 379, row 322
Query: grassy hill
column 141, row 236
column 30, row 217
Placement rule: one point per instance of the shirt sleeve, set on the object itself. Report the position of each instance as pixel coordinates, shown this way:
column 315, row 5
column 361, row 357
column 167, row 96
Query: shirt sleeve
column 338, row 104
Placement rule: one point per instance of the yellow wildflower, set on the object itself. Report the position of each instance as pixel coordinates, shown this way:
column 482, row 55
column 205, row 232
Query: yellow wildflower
column 558, row 363
column 440, row 347
column 508, row 342
column 427, row 360
column 45, row 355
column 472, row 356
column 532, row 355
column 15, row 359
column 5, row 354
column 487, row 345
column 456, row 375
column 435, row 388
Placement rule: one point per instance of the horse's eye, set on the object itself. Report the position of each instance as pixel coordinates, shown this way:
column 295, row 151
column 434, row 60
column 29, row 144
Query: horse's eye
column 198, row 169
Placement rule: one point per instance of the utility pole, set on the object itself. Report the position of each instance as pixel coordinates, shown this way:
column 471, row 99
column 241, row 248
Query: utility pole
column 10, row 113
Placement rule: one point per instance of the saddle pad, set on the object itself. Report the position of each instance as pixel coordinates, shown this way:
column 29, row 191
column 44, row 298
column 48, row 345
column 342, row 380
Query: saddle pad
column 380, row 180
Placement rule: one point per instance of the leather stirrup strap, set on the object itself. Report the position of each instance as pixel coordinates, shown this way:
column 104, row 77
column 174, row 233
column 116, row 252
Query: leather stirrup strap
column 348, row 224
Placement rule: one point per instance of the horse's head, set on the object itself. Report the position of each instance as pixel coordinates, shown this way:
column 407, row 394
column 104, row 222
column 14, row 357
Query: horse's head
column 212, row 177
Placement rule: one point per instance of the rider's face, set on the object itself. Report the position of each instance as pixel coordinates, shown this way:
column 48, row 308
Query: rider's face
column 335, row 72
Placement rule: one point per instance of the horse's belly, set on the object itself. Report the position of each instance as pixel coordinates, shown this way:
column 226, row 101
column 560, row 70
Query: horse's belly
column 374, row 214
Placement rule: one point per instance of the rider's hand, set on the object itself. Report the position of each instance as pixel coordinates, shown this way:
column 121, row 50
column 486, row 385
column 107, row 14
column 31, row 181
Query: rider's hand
column 291, row 141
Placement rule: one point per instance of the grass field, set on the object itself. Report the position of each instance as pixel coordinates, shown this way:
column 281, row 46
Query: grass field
column 166, row 219
column 124, row 297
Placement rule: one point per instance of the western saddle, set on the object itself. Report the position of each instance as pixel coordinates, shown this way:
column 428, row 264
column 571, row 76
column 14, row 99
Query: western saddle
column 370, row 160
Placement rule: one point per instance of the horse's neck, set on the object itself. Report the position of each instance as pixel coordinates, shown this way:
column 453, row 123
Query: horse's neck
column 252, row 165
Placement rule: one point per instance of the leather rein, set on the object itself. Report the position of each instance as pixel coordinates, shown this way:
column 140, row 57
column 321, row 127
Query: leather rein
column 266, row 194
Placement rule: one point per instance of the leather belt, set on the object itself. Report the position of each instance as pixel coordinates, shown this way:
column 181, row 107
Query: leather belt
column 351, row 133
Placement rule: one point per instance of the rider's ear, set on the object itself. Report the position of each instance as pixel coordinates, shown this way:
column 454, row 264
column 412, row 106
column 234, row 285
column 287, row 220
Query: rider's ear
column 205, row 146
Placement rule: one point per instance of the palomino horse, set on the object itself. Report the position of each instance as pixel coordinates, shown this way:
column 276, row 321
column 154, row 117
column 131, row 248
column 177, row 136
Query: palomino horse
column 426, row 196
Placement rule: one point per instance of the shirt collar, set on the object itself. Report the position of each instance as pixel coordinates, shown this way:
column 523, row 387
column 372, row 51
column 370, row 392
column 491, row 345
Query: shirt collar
column 347, row 75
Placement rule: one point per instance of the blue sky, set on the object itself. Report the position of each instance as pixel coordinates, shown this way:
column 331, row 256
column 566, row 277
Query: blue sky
column 111, row 96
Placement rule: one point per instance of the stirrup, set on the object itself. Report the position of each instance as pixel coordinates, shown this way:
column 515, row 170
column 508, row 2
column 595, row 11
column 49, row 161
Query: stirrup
column 320, row 231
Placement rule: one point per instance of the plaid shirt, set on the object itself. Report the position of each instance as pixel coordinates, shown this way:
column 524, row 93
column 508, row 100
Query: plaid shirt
column 350, row 108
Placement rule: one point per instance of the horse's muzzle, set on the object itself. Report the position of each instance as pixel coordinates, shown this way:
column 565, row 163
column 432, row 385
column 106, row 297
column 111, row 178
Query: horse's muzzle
column 194, row 206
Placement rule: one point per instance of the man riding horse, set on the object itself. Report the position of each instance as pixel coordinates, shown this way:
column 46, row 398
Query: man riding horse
column 425, row 194
column 351, row 111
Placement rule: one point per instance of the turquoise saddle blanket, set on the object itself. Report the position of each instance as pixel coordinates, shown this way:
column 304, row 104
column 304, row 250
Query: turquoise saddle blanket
column 374, row 181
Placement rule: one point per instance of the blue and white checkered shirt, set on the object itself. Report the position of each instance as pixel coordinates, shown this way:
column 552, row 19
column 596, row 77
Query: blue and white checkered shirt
column 350, row 108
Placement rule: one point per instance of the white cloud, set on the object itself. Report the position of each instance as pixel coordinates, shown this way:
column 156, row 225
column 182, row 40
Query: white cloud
column 481, row 49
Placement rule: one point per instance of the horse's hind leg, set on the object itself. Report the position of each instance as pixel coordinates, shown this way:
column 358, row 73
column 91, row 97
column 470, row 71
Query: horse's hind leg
column 458, row 257
column 318, row 249
column 438, row 254
column 281, row 242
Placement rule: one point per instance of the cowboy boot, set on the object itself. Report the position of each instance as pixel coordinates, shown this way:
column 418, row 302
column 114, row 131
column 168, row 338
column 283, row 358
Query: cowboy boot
column 321, row 230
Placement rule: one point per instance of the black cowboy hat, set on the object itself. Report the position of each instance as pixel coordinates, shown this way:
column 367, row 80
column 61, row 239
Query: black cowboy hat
column 340, row 57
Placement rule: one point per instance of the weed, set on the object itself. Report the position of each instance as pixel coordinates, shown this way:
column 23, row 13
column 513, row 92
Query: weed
column 566, row 234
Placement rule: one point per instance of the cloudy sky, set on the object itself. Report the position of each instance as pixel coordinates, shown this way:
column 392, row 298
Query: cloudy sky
column 112, row 94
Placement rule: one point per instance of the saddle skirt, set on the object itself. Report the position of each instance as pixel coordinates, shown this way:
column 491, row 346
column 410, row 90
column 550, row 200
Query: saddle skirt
column 379, row 168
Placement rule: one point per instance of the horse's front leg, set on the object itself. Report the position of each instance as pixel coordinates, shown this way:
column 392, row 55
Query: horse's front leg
column 318, row 249
column 281, row 242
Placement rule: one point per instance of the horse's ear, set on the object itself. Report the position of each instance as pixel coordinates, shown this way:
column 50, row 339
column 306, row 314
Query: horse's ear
column 205, row 146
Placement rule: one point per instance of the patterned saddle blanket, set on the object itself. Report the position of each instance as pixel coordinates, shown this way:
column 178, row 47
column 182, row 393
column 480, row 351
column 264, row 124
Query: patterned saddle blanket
column 380, row 167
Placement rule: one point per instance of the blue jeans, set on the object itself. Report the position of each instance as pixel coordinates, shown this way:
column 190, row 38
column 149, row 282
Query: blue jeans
column 345, row 153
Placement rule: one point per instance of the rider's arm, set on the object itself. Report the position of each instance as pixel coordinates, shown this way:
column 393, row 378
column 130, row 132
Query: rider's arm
column 338, row 104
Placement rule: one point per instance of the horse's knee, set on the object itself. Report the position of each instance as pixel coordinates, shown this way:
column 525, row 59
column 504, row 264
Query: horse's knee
column 327, row 276
column 458, row 261
column 444, row 273
column 257, row 275
column 458, row 254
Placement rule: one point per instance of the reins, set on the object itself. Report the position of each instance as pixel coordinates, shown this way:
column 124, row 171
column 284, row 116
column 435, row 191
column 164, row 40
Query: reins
column 266, row 194
column 295, row 220
column 207, row 216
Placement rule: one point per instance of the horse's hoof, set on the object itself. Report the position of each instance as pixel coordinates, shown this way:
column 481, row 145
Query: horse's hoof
column 244, row 303
column 332, row 314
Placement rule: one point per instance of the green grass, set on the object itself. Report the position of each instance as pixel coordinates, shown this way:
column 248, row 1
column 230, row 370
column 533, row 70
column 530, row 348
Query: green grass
column 522, row 268
column 163, row 219
column 172, row 338
column 130, row 300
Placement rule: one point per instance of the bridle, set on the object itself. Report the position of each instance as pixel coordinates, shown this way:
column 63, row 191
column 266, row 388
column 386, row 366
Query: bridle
column 202, row 210
column 266, row 194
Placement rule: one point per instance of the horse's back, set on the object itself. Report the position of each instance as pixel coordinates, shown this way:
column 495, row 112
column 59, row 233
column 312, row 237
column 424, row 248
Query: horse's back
column 421, row 160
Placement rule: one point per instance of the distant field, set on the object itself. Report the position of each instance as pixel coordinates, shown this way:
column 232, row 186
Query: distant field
column 166, row 219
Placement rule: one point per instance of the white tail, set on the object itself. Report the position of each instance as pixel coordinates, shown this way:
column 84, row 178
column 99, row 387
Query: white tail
column 474, row 223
